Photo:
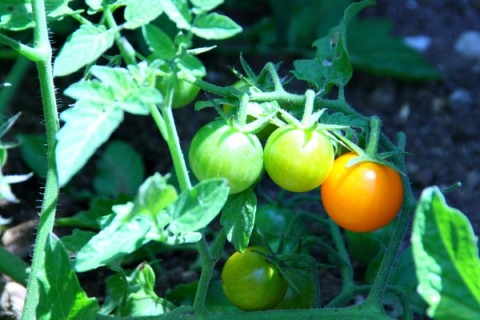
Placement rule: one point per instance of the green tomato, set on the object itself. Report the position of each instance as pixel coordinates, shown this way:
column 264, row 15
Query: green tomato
column 221, row 151
column 252, row 283
column 298, row 160
column 184, row 92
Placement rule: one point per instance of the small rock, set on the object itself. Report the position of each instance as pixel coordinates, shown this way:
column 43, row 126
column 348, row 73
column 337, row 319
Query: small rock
column 19, row 239
column 460, row 97
column 12, row 299
column 468, row 44
column 420, row 43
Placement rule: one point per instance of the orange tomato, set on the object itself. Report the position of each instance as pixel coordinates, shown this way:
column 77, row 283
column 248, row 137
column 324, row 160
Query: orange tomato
column 363, row 197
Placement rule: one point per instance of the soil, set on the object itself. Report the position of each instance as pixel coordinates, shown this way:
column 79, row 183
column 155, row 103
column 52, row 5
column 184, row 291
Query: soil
column 441, row 119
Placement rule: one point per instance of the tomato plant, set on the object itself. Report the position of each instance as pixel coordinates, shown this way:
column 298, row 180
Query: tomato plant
column 251, row 282
column 298, row 160
column 363, row 197
column 220, row 150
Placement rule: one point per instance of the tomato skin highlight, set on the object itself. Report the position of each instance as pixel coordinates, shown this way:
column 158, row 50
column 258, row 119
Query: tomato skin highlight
column 250, row 282
column 298, row 160
column 220, row 151
column 364, row 197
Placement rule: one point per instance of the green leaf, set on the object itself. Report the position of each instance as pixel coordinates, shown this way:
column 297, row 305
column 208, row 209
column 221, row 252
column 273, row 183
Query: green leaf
column 141, row 12
column 195, row 208
column 158, row 42
column 83, row 47
column 206, row 5
column 16, row 15
column 408, row 280
column 61, row 296
column 446, row 259
column 154, row 195
column 179, row 12
column 215, row 26
column 375, row 50
column 127, row 89
column 119, row 237
column 119, row 170
column 142, row 299
column 332, row 65
column 86, row 128
column 33, row 151
column 238, row 218
column 78, row 239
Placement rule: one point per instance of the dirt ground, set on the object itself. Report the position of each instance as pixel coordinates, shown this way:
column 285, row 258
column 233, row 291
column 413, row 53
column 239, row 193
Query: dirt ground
column 441, row 119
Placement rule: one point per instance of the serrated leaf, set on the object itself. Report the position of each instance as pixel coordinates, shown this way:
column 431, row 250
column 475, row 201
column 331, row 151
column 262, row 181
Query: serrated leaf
column 158, row 41
column 61, row 296
column 446, row 259
column 375, row 50
column 195, row 208
column 119, row 237
column 86, row 128
column 238, row 218
column 179, row 12
column 84, row 46
column 16, row 15
column 215, row 26
column 206, row 5
column 33, row 151
column 332, row 65
column 119, row 170
column 141, row 12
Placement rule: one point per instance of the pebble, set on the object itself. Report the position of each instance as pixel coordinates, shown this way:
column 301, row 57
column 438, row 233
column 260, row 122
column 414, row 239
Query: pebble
column 468, row 44
column 460, row 97
column 420, row 43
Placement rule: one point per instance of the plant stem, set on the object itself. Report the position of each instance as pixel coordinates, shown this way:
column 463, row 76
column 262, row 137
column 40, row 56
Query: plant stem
column 13, row 266
column 372, row 146
column 49, row 203
column 122, row 43
column 28, row 52
column 309, row 100
column 242, row 111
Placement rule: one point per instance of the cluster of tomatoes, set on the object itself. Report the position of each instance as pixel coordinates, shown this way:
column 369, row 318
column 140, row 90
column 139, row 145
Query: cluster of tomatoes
column 363, row 197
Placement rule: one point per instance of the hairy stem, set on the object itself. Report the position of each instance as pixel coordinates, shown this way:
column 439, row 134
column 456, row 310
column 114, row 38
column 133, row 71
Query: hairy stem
column 50, row 197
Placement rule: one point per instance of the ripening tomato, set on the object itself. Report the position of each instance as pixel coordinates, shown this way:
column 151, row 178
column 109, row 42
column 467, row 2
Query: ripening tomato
column 298, row 160
column 252, row 283
column 363, row 197
column 221, row 151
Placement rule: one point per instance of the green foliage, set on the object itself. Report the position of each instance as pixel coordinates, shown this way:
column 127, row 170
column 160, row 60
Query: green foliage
column 120, row 170
column 33, row 151
column 238, row 218
column 446, row 259
column 61, row 296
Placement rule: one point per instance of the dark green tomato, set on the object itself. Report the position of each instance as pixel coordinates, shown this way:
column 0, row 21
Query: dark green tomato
column 184, row 92
column 252, row 283
column 272, row 219
column 221, row 151
column 298, row 160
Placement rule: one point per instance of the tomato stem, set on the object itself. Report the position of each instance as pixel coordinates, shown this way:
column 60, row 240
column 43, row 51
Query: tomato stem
column 372, row 146
column 308, row 109
column 242, row 111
